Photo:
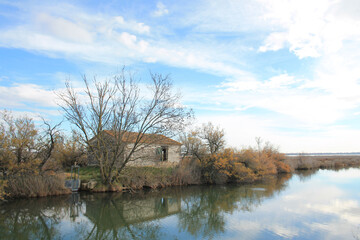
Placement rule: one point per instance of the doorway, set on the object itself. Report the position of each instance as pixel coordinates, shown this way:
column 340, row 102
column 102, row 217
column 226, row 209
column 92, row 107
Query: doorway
column 164, row 153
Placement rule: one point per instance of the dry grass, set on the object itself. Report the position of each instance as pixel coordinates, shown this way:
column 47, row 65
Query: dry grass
column 35, row 186
column 188, row 172
column 151, row 177
column 303, row 162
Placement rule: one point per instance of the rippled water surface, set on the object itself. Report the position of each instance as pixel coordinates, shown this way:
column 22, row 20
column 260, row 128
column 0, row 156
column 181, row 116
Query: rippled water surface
column 322, row 204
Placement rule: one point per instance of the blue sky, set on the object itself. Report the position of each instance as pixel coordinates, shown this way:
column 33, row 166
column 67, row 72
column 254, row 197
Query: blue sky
column 287, row 71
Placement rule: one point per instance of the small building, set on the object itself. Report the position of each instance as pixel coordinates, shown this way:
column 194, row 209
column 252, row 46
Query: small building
column 155, row 149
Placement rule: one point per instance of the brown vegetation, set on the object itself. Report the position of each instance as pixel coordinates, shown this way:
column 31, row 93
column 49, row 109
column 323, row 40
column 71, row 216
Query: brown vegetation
column 28, row 155
column 246, row 165
column 304, row 162
column 188, row 172
column 35, row 185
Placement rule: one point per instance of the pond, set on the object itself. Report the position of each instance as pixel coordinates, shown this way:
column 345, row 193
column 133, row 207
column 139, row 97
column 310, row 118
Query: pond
column 322, row 204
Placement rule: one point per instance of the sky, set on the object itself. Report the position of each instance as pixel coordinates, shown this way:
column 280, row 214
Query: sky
column 286, row 71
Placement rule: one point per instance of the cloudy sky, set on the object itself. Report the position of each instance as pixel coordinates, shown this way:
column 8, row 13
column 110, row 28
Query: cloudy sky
column 287, row 71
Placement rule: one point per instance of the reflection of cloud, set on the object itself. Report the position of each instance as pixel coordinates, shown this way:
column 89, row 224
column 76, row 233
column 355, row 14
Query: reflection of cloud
column 348, row 210
column 344, row 175
column 283, row 230
column 318, row 208
column 252, row 229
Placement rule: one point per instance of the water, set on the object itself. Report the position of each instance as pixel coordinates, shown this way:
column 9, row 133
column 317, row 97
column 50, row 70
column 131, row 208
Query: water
column 322, row 204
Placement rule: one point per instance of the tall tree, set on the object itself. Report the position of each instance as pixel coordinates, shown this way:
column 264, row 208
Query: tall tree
column 119, row 105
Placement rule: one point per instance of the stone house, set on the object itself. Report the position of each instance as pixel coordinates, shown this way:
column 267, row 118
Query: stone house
column 155, row 149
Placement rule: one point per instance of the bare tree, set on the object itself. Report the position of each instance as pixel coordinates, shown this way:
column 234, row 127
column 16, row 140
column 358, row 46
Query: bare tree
column 48, row 141
column 213, row 136
column 119, row 106
column 207, row 139
column 259, row 142
column 192, row 145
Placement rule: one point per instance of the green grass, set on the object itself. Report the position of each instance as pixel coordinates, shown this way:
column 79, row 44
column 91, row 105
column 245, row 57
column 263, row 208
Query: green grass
column 155, row 171
column 88, row 173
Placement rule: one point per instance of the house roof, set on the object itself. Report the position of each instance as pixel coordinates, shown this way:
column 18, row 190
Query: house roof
column 130, row 137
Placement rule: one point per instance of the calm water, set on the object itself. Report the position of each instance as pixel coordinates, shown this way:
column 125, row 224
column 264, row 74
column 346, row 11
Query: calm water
column 311, row 205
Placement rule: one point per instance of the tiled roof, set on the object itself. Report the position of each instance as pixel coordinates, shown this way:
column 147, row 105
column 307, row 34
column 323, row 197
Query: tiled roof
column 130, row 137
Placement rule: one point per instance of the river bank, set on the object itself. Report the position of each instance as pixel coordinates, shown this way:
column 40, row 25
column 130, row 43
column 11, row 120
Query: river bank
column 187, row 173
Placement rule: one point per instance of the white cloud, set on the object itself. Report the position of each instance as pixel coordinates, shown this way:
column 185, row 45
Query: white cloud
column 19, row 95
column 310, row 28
column 287, row 95
column 119, row 22
column 161, row 10
column 111, row 40
column 241, row 129
column 63, row 29
column 275, row 41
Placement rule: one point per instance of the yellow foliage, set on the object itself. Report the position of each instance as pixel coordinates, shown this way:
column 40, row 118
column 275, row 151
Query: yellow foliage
column 245, row 166
column 3, row 184
column 24, row 168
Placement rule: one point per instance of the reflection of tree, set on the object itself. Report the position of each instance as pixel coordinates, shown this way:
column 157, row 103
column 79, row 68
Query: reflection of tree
column 203, row 210
column 32, row 218
column 305, row 175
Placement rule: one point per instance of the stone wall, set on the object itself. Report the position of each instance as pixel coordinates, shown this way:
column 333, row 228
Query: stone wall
column 148, row 157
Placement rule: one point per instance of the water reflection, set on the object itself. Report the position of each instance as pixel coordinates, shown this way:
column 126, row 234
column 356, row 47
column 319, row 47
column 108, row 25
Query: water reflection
column 204, row 209
column 127, row 216
column 200, row 211
column 33, row 218
column 276, row 208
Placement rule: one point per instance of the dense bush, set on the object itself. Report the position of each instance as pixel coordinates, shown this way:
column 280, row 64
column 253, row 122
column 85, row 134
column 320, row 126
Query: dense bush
column 245, row 166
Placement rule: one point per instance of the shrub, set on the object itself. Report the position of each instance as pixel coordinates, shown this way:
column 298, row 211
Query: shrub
column 225, row 167
column 245, row 166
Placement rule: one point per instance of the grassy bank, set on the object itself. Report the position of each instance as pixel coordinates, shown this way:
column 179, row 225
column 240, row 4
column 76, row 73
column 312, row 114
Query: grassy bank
column 227, row 167
column 303, row 162
column 131, row 178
